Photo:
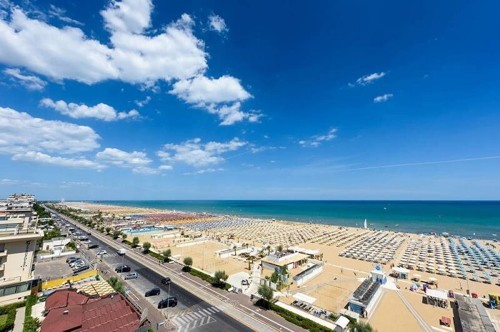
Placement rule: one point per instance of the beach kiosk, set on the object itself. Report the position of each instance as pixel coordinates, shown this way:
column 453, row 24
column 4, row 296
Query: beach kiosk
column 378, row 275
column 400, row 272
column 341, row 324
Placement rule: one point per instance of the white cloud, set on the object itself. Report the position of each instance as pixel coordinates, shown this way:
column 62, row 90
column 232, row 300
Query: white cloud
column 133, row 54
column 204, row 171
column 121, row 158
column 67, row 53
column 165, row 168
column 144, row 102
column 21, row 133
column 221, row 96
column 60, row 14
column 194, row 153
column 30, row 82
column 316, row 140
column 202, row 90
column 129, row 16
column 78, row 111
column 383, row 98
column 42, row 158
column 145, row 170
column 367, row 79
column 217, row 24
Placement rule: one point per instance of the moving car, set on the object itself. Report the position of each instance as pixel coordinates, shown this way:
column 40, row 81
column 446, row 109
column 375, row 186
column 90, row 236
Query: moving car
column 93, row 245
column 152, row 292
column 168, row 302
column 122, row 268
column 166, row 281
column 121, row 251
column 132, row 275
column 102, row 252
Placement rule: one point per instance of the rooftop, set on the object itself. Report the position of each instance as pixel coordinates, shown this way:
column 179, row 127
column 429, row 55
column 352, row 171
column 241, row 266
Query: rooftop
column 72, row 311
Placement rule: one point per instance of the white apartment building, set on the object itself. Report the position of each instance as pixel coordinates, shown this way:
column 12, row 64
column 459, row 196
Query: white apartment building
column 18, row 237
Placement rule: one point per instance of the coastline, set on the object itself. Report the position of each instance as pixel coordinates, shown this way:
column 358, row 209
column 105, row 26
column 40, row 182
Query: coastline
column 478, row 219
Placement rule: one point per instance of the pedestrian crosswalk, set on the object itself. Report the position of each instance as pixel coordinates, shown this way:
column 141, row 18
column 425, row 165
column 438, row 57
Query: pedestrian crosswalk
column 196, row 319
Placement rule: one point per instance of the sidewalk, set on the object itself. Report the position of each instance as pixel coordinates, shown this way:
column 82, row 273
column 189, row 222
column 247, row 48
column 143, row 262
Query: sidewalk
column 19, row 322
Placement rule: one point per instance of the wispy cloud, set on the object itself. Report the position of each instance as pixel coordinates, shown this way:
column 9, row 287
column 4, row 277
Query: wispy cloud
column 316, row 140
column 60, row 14
column 30, row 82
column 204, row 171
column 368, row 79
column 421, row 163
column 100, row 111
column 383, row 98
column 217, row 24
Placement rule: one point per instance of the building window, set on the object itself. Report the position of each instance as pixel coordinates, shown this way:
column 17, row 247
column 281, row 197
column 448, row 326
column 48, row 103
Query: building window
column 9, row 290
column 19, row 288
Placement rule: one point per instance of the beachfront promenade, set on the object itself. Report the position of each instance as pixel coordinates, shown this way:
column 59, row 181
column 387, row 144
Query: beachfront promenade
column 347, row 257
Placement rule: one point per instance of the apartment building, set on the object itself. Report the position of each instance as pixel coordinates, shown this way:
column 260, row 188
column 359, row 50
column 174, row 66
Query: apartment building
column 18, row 237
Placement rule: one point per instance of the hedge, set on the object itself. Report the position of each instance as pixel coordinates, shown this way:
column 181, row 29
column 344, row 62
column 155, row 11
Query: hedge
column 30, row 324
column 10, row 311
column 209, row 279
column 294, row 318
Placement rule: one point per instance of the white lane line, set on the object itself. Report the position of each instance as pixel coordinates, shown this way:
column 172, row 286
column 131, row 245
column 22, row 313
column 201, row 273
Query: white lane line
column 197, row 315
column 206, row 312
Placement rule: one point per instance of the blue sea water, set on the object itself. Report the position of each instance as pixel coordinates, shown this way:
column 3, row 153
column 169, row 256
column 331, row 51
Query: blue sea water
column 477, row 219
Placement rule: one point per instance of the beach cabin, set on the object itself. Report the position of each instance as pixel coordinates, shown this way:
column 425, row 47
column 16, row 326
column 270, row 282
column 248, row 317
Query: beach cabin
column 400, row 273
column 308, row 274
column 276, row 261
column 312, row 253
column 341, row 324
column 437, row 297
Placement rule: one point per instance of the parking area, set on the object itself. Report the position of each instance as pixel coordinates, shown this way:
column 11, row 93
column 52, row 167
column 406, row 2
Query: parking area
column 53, row 269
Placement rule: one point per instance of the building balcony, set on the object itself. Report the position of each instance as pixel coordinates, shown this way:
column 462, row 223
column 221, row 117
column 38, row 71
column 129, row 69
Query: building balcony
column 3, row 253
column 2, row 267
column 10, row 235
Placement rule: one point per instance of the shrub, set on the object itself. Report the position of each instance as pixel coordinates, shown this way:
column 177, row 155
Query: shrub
column 188, row 262
column 135, row 242
column 10, row 312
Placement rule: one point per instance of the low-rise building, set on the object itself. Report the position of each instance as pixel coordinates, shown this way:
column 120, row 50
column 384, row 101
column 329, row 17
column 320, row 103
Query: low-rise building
column 277, row 261
column 67, row 310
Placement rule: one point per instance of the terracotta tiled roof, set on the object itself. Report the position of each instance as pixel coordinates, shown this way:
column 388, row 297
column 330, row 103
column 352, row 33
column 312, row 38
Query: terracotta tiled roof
column 108, row 314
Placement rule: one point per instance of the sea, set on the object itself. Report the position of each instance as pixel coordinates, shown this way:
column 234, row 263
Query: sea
column 474, row 219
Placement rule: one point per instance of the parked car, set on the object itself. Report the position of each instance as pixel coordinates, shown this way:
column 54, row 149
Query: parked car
column 245, row 282
column 71, row 259
column 152, row 292
column 131, row 275
column 122, row 268
column 72, row 264
column 81, row 269
column 168, row 302
column 166, row 281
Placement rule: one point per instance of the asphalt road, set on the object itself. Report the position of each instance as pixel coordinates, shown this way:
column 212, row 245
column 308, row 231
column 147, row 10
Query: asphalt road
column 191, row 314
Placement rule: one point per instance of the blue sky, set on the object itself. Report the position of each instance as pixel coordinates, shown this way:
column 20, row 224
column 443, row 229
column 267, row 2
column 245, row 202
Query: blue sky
column 136, row 99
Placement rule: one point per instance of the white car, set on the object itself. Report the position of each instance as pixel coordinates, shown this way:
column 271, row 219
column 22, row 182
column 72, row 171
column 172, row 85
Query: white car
column 102, row 253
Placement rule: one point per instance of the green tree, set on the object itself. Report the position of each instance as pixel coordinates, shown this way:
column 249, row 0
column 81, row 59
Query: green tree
column 362, row 327
column 124, row 236
column 188, row 262
column 219, row 278
column 166, row 255
column 116, row 234
column 146, row 246
column 116, row 284
column 108, row 229
column 266, row 292
column 279, row 248
column 135, row 242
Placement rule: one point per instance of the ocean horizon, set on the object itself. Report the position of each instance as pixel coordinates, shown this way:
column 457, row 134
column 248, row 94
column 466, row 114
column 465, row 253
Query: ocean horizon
column 476, row 219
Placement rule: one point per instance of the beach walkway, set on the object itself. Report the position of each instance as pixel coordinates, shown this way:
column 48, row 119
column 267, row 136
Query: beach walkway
column 425, row 327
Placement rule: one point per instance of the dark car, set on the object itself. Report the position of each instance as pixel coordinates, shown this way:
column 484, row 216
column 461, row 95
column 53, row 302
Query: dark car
column 152, row 292
column 166, row 281
column 71, row 259
column 93, row 245
column 122, row 268
column 168, row 302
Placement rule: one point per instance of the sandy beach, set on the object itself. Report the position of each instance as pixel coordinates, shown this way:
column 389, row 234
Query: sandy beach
column 349, row 254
